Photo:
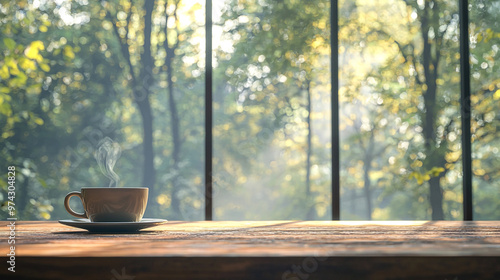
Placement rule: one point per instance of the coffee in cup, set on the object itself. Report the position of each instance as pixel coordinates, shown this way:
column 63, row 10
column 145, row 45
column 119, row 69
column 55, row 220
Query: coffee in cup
column 110, row 204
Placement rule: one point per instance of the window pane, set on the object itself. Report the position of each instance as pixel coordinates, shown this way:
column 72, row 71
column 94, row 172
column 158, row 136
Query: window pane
column 272, row 134
column 485, row 88
column 79, row 71
column 399, row 110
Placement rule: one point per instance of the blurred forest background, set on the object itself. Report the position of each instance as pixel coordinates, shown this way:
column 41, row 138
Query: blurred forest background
column 74, row 72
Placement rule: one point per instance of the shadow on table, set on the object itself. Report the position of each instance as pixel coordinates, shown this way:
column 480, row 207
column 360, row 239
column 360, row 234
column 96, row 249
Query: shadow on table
column 105, row 232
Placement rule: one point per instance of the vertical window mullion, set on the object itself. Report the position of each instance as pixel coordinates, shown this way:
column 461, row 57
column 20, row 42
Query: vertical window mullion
column 466, row 110
column 334, row 66
column 208, row 111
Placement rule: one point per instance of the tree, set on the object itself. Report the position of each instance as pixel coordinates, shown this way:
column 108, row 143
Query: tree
column 74, row 72
column 485, row 85
column 278, row 48
column 158, row 66
column 47, row 101
column 141, row 79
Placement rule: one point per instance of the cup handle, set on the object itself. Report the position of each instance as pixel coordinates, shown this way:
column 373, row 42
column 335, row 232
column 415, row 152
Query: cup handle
column 66, row 205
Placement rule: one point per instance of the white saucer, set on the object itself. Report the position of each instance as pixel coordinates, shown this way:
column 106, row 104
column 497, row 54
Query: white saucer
column 112, row 226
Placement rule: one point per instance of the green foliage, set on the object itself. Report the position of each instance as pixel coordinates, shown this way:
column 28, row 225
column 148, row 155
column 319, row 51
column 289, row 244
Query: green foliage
column 421, row 178
column 70, row 74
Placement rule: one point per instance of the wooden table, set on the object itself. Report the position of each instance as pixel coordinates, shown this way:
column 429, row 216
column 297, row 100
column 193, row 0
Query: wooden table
column 258, row 250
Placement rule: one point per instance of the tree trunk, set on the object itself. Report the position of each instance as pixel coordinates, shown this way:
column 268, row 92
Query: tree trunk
column 310, row 212
column 354, row 196
column 174, row 123
column 141, row 95
column 430, row 65
column 141, row 91
column 368, row 195
column 367, row 166
column 367, row 185
column 177, row 143
column 436, row 198
column 149, row 172
column 23, row 199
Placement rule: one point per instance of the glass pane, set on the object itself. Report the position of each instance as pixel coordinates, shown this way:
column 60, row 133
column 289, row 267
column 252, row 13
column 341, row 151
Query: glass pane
column 271, row 110
column 75, row 72
column 399, row 110
column 485, row 88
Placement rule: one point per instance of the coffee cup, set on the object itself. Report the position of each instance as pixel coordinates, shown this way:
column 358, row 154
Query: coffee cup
column 110, row 204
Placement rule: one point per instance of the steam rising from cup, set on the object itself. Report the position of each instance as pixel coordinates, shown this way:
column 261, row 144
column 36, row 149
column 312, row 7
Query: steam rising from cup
column 106, row 154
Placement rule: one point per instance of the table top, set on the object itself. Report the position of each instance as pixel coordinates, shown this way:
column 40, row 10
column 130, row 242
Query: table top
column 261, row 239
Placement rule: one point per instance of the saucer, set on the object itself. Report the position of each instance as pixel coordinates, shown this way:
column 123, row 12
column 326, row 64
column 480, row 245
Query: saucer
column 112, row 226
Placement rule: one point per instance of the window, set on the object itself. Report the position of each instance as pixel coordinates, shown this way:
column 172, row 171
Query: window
column 485, row 104
column 251, row 130
column 400, row 110
column 272, row 132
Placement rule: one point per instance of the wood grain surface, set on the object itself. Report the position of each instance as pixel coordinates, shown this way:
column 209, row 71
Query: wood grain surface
column 260, row 250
